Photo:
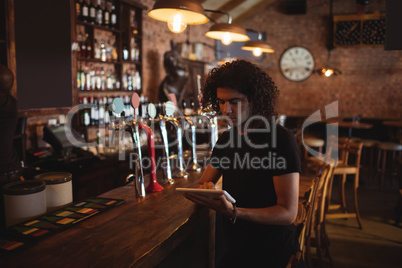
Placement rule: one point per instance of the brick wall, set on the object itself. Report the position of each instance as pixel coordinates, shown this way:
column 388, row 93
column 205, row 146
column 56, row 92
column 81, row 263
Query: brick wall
column 370, row 84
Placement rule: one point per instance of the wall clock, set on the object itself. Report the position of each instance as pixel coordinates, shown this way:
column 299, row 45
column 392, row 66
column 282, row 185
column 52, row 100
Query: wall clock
column 296, row 63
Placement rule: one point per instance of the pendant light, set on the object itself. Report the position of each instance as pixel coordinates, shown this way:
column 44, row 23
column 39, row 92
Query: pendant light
column 257, row 46
column 227, row 32
column 328, row 71
column 178, row 13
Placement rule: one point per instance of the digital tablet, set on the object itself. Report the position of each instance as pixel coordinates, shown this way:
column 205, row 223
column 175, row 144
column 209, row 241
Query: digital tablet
column 212, row 193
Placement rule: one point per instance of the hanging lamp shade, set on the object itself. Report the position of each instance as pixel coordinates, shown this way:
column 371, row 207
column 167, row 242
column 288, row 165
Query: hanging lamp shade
column 236, row 33
column 192, row 12
column 257, row 44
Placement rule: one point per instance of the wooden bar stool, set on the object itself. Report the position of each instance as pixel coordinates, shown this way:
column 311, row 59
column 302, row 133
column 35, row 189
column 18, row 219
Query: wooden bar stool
column 349, row 164
column 314, row 143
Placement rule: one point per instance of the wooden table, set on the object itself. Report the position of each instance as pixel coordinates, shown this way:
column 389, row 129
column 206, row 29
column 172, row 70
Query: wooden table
column 139, row 233
column 352, row 125
column 396, row 124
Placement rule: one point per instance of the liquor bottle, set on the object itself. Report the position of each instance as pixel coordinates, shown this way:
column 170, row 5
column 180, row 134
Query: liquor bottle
column 125, row 53
column 99, row 14
column 109, row 80
column 78, row 7
column 107, row 118
column 83, row 45
column 103, row 79
column 125, row 81
column 88, row 45
column 97, row 50
column 106, row 14
column 137, row 79
column 101, row 112
column 92, row 12
column 88, row 79
column 103, row 51
column 81, row 78
column 129, row 79
column 115, row 56
column 113, row 16
column 85, row 11
column 117, row 81
column 86, row 116
column 98, row 82
column 93, row 77
column 109, row 55
column 133, row 48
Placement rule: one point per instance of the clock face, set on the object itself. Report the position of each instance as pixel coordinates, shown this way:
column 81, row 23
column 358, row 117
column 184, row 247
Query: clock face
column 296, row 64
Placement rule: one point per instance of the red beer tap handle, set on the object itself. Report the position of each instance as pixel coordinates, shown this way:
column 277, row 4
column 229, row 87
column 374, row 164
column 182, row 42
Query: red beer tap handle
column 153, row 185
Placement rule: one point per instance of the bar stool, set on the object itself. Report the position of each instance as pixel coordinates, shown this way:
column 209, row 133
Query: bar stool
column 383, row 149
column 314, row 143
column 349, row 164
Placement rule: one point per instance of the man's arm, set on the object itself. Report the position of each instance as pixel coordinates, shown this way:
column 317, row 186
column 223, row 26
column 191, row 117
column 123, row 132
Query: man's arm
column 285, row 211
column 210, row 175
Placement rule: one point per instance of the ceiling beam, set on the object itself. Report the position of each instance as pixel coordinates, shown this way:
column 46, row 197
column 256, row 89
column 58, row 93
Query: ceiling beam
column 251, row 11
column 227, row 7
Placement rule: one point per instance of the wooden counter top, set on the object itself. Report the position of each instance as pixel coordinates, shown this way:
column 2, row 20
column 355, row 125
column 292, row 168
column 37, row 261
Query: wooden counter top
column 139, row 233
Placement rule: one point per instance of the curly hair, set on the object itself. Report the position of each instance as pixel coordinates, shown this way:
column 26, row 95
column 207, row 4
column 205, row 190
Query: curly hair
column 246, row 78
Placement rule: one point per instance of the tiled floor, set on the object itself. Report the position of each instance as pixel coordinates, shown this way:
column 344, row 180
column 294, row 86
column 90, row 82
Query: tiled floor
column 379, row 244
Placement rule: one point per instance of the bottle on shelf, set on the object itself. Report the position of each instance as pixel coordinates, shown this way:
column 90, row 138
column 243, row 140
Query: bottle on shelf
column 85, row 11
column 83, row 45
column 106, row 15
column 93, row 77
column 81, row 78
column 129, row 79
column 109, row 80
column 117, row 81
column 115, row 56
column 125, row 53
column 103, row 79
column 94, row 111
column 107, row 119
column 99, row 14
column 133, row 49
column 101, row 112
column 97, row 50
column 92, row 12
column 109, row 50
column 113, row 16
column 98, row 79
column 88, row 80
column 103, row 51
column 78, row 6
column 86, row 118
column 137, row 80
column 88, row 45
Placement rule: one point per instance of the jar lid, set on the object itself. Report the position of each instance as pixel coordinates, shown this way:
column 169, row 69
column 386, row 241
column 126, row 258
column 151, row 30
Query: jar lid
column 55, row 177
column 24, row 187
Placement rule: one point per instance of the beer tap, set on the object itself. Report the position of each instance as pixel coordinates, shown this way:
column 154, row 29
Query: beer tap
column 189, row 119
column 170, row 108
column 162, row 125
column 210, row 115
column 153, row 185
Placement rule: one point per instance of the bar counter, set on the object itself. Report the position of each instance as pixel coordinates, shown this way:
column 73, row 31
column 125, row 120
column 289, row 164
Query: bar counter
column 139, row 233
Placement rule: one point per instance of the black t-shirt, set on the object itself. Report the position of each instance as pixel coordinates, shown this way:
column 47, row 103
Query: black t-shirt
column 8, row 123
column 248, row 164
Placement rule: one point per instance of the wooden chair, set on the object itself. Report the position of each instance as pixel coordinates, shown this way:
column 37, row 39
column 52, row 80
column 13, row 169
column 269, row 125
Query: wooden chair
column 311, row 219
column 349, row 164
column 294, row 260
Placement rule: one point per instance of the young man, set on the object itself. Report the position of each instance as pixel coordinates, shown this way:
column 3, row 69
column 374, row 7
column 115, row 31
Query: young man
column 10, row 166
column 260, row 164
